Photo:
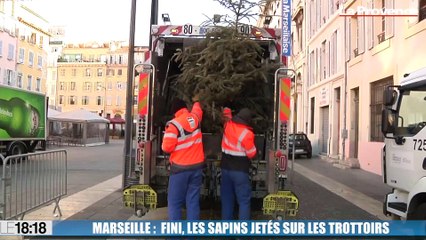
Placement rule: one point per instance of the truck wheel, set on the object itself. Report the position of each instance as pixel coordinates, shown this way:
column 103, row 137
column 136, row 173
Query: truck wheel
column 17, row 148
column 419, row 213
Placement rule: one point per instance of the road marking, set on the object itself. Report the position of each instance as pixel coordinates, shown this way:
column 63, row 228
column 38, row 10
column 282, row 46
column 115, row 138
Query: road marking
column 359, row 199
column 77, row 202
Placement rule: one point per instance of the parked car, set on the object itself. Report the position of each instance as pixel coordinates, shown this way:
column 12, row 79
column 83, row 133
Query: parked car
column 302, row 147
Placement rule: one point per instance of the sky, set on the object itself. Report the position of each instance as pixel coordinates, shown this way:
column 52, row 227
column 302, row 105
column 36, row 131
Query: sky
column 104, row 20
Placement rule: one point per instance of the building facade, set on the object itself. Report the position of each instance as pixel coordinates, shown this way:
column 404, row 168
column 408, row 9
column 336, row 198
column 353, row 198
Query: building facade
column 343, row 64
column 56, row 44
column 93, row 76
column 382, row 50
column 24, row 42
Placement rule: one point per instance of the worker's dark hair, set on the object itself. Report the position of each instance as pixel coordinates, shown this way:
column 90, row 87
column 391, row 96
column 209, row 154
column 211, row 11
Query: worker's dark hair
column 244, row 116
column 177, row 105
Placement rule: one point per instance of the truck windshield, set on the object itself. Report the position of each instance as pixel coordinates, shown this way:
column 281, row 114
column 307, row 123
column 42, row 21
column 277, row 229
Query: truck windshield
column 412, row 112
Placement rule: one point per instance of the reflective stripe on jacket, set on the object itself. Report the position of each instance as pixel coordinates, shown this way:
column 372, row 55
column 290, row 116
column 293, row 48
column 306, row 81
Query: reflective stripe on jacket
column 183, row 139
column 237, row 144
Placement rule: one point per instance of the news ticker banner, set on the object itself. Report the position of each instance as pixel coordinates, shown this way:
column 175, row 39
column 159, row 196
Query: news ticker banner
column 157, row 228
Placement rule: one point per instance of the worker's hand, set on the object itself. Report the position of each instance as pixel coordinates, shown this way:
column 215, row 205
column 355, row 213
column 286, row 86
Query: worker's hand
column 196, row 98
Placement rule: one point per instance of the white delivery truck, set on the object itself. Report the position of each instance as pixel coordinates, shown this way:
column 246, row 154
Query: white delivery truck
column 404, row 154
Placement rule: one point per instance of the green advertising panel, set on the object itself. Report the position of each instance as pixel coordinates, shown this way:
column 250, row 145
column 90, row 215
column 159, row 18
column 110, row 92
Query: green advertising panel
column 22, row 114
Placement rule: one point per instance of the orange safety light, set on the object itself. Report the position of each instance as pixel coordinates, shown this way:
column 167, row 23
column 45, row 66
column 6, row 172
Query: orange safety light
column 174, row 31
column 258, row 34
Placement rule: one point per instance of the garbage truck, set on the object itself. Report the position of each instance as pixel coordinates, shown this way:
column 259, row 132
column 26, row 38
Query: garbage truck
column 153, row 83
column 404, row 153
column 22, row 121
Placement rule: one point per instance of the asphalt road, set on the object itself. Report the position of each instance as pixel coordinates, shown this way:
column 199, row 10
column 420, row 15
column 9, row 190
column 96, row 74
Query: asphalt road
column 88, row 166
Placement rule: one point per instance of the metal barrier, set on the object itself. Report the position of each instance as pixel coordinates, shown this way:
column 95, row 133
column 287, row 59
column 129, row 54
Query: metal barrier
column 31, row 180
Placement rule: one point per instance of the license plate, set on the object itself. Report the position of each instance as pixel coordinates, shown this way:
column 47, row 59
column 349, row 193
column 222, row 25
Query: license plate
column 299, row 150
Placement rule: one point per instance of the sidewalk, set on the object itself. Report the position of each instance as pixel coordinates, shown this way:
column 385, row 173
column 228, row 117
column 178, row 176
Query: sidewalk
column 103, row 201
column 364, row 189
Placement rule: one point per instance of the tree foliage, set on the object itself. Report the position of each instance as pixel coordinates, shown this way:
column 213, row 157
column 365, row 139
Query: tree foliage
column 226, row 69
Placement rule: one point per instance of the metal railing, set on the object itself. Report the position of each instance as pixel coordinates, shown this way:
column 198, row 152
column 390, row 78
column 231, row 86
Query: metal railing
column 31, row 180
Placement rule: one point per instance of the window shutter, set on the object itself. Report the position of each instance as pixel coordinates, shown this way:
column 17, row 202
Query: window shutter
column 361, row 26
column 348, row 38
column 389, row 21
column 413, row 4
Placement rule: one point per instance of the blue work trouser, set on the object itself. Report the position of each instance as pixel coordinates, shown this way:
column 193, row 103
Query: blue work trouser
column 184, row 188
column 235, row 186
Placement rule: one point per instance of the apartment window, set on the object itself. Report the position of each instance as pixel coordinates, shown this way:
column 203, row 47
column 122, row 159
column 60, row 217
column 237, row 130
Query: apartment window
column 9, row 77
column 312, row 115
column 119, row 86
column 74, row 72
column 72, row 100
column 38, row 84
column 422, row 10
column 21, row 56
column 87, row 86
column 360, row 45
column 31, row 59
column 348, row 46
column 333, row 53
column 40, row 62
column 99, row 86
column 99, row 100
column 118, row 100
column 87, row 72
column 10, row 52
column 109, row 85
column 323, row 61
column 120, row 72
column 30, row 82
column 300, row 36
column 62, row 86
column 376, row 106
column 85, row 100
column 1, row 48
column 19, row 80
column 383, row 26
column 33, row 38
column 72, row 86
column 110, row 72
column 61, row 99
column 109, row 101
column 331, row 6
column 100, row 72
column 311, row 68
column 62, row 72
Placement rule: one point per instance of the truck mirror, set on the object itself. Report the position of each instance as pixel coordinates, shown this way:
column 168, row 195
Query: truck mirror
column 389, row 96
column 388, row 121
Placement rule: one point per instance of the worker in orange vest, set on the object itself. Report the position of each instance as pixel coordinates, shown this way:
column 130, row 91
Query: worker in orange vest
column 237, row 149
column 183, row 140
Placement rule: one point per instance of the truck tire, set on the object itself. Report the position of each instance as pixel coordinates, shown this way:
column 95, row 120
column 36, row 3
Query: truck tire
column 419, row 213
column 17, row 148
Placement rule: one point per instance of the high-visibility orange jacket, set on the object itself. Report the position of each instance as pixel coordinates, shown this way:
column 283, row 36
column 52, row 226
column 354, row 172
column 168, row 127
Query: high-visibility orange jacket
column 238, row 145
column 183, row 139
